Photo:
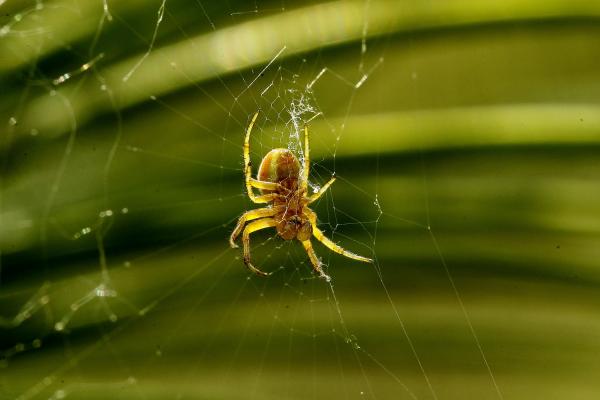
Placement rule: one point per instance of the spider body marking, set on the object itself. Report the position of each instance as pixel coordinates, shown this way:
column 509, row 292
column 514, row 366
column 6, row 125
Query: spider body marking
column 283, row 185
column 282, row 167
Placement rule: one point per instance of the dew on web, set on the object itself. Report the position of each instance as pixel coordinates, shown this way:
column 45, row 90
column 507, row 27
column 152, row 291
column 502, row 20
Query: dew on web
column 124, row 177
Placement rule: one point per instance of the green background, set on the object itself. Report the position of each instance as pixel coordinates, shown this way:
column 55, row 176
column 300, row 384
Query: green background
column 465, row 138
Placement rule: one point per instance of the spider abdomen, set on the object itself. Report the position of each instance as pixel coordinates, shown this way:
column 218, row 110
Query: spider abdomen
column 280, row 166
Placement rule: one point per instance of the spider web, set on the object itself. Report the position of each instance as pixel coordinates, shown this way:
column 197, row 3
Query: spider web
column 122, row 177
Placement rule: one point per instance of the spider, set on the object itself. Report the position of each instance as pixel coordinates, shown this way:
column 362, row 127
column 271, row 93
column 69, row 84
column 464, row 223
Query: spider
column 283, row 187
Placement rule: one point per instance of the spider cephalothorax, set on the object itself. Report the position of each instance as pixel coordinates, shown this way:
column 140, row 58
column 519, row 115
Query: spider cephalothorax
column 283, row 185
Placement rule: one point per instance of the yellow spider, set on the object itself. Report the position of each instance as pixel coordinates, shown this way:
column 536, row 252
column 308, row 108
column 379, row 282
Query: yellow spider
column 285, row 191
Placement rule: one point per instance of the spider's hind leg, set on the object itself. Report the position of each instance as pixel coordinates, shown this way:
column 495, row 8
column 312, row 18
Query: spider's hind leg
column 323, row 189
column 306, row 161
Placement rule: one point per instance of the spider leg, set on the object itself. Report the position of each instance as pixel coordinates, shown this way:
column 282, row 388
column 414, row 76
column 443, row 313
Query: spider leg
column 312, row 217
column 253, row 227
column 251, row 182
column 248, row 164
column 306, row 166
column 249, row 216
column 265, row 198
column 317, row 195
column 316, row 263
column 264, row 185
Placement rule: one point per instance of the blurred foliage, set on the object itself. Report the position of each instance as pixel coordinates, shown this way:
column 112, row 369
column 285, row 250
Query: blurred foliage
column 465, row 137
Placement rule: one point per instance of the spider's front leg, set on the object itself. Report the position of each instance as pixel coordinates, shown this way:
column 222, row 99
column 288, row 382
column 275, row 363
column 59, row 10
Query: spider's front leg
column 253, row 227
column 312, row 217
column 249, row 216
column 314, row 260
